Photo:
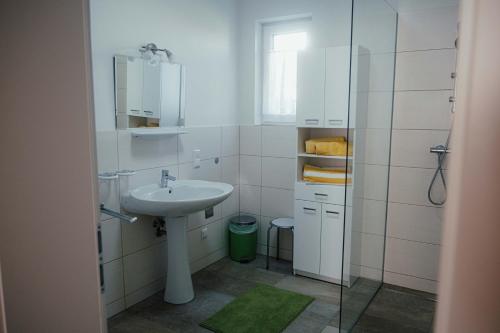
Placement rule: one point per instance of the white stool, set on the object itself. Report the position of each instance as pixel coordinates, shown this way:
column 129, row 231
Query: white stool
column 279, row 223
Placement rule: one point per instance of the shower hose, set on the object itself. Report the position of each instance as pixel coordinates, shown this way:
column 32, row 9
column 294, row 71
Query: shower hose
column 441, row 158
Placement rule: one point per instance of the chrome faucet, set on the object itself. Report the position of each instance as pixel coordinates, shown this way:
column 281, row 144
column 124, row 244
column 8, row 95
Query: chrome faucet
column 165, row 177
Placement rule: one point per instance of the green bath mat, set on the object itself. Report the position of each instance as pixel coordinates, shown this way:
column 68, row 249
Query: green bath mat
column 263, row 309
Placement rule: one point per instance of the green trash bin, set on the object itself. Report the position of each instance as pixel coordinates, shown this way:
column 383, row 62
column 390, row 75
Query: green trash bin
column 243, row 238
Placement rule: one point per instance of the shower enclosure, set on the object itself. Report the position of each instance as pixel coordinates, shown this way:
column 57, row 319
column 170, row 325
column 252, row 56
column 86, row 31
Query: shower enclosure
column 373, row 54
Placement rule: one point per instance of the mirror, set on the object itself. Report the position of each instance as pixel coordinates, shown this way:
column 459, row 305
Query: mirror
column 148, row 93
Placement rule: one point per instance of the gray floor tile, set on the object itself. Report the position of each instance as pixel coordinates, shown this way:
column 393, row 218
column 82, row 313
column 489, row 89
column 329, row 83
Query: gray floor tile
column 324, row 291
column 394, row 309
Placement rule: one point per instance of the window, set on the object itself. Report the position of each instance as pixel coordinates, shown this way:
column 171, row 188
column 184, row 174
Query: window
column 281, row 44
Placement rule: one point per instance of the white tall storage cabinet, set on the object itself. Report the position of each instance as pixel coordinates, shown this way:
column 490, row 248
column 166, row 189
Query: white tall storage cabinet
column 322, row 111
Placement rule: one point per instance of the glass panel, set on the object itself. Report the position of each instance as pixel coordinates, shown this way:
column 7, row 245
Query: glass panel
column 374, row 28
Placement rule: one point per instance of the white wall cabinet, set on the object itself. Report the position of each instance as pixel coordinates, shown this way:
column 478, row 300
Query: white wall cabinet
column 323, row 87
column 134, row 76
column 307, row 236
column 337, row 87
column 319, row 239
column 332, row 235
column 311, row 88
column 151, row 91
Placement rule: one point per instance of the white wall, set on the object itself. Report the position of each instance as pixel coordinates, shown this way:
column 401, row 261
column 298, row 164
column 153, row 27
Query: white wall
column 330, row 26
column 200, row 33
column 422, row 118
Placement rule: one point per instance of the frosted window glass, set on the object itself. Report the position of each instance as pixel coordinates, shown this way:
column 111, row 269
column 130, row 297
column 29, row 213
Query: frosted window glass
column 280, row 104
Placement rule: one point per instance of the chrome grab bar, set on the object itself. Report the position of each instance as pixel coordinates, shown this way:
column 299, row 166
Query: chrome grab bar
column 122, row 217
column 440, row 150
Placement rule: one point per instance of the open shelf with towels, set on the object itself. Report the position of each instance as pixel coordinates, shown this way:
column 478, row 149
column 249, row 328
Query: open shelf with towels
column 323, row 199
column 324, row 156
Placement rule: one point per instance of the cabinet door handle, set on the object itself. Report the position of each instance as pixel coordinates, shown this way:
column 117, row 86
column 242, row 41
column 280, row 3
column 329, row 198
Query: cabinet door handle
column 321, row 195
column 335, row 214
column 309, row 210
column 335, row 121
column 148, row 112
column 134, row 110
column 312, row 121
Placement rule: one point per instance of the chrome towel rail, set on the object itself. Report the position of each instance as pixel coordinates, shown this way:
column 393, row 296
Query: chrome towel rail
column 122, row 217
column 440, row 150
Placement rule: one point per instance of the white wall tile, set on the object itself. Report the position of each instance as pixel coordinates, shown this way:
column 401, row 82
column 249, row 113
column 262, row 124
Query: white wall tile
column 209, row 170
column 411, row 282
column 109, row 196
column 369, row 216
column 410, row 148
column 381, row 76
column 141, row 153
column 425, row 70
column 372, row 250
column 144, row 292
column 427, row 29
column 375, row 182
column 371, row 273
column 147, row 177
column 278, row 172
column 199, row 247
column 378, row 142
column 230, row 140
column 231, row 169
column 114, row 308
column 250, row 199
column 279, row 141
column 199, row 219
column 409, row 185
column 250, row 140
column 107, row 151
column 144, row 267
column 250, row 170
column 422, row 109
column 207, row 139
column 139, row 235
column 379, row 111
column 231, row 205
column 417, row 223
column 199, row 264
column 412, row 5
column 111, row 240
column 277, row 202
column 113, row 281
column 412, row 258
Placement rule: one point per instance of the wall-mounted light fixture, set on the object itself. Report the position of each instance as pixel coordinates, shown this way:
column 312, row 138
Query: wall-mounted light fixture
column 154, row 54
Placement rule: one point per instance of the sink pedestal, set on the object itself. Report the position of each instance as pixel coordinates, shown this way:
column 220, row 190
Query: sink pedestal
column 179, row 288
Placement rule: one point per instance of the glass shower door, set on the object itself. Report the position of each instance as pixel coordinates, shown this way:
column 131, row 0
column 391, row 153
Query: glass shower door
column 374, row 28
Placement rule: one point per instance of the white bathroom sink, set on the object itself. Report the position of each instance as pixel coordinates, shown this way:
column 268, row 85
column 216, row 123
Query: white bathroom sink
column 182, row 197
column 174, row 202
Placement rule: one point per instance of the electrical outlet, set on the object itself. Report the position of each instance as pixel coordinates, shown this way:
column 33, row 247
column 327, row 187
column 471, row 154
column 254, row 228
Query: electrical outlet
column 204, row 233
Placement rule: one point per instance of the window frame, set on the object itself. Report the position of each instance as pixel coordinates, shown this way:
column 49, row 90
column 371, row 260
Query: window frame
column 269, row 30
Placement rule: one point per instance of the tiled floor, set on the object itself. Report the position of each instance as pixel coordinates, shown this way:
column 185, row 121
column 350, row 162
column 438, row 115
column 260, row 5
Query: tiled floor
column 393, row 310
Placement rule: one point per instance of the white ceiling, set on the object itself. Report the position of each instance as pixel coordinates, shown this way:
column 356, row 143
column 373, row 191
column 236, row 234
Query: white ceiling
column 409, row 5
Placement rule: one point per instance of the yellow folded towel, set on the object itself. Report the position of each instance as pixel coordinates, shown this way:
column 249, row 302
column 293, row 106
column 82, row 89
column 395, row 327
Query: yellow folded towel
column 334, row 146
column 326, row 175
